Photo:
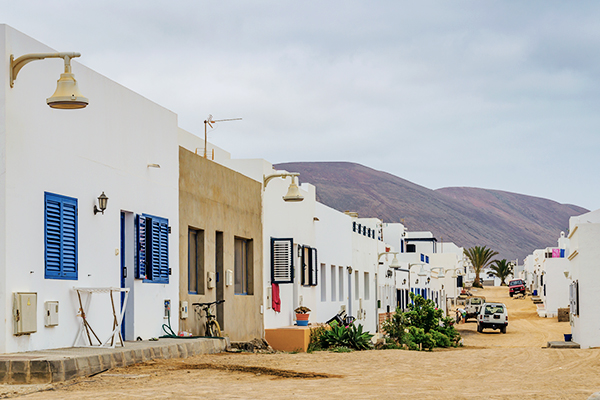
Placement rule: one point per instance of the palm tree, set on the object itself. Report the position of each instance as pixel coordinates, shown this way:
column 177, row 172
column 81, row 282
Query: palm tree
column 480, row 257
column 502, row 269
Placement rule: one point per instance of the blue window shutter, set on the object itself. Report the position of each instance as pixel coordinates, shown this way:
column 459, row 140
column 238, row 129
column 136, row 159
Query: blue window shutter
column 53, row 237
column 157, row 249
column 164, row 250
column 60, row 235
column 422, row 257
column 140, row 230
column 69, row 239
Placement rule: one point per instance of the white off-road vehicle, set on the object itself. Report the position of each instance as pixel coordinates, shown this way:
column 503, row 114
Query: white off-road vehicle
column 492, row 315
column 472, row 306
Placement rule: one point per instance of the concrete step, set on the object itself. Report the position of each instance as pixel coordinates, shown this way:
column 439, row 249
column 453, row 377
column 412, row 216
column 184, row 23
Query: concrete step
column 59, row 365
column 563, row 345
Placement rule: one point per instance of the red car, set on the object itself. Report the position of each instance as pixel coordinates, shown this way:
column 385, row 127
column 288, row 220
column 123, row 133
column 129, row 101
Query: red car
column 516, row 286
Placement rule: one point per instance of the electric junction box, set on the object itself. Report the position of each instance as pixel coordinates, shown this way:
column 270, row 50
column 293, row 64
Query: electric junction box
column 210, row 280
column 228, row 277
column 184, row 309
column 51, row 313
column 24, row 313
column 167, row 309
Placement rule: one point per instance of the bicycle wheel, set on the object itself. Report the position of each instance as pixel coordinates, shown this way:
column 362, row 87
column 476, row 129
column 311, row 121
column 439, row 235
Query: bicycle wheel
column 213, row 329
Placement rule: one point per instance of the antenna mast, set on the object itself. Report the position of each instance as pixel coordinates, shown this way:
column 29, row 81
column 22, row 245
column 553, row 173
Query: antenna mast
column 209, row 121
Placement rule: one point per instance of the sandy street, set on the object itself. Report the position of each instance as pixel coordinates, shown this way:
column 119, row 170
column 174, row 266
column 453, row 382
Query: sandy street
column 490, row 366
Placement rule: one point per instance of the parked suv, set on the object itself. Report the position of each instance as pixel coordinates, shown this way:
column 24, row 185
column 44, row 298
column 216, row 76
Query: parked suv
column 492, row 315
column 516, row 286
column 472, row 306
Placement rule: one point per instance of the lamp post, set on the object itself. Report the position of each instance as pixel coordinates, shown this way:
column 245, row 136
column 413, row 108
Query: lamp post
column 67, row 95
column 293, row 194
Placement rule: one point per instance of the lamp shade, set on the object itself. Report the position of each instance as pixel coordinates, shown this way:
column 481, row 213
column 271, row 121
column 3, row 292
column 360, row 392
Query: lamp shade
column 395, row 263
column 67, row 95
column 102, row 201
column 293, row 194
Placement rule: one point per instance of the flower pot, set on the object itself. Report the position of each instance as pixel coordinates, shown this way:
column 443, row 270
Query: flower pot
column 302, row 319
column 568, row 337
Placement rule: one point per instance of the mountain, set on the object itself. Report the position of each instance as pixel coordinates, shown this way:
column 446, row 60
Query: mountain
column 510, row 223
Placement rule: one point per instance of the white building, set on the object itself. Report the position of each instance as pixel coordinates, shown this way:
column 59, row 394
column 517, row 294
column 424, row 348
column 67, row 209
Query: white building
column 554, row 285
column 585, row 278
column 53, row 166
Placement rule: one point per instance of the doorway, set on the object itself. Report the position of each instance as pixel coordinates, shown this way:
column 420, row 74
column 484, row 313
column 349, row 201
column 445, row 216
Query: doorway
column 219, row 255
column 126, row 273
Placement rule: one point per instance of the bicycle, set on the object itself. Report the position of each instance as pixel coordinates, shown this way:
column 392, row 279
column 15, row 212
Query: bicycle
column 212, row 328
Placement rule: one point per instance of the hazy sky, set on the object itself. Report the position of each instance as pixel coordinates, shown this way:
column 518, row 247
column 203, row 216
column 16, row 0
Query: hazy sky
column 492, row 94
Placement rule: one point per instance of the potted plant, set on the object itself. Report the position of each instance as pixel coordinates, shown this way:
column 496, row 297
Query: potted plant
column 302, row 314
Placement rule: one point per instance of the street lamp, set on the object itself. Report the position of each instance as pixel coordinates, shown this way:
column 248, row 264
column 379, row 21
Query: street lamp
column 67, row 95
column 293, row 194
column 440, row 274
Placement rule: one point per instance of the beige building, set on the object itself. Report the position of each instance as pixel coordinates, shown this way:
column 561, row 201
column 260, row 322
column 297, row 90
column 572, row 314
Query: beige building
column 220, row 233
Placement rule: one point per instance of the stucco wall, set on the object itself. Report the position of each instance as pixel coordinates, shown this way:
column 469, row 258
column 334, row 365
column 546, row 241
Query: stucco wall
column 585, row 268
column 215, row 198
column 81, row 153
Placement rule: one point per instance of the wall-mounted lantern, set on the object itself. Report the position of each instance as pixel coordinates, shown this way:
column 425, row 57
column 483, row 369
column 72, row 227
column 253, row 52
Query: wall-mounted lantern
column 102, row 202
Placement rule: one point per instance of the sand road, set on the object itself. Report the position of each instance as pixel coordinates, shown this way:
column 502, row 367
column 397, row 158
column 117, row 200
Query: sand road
column 491, row 365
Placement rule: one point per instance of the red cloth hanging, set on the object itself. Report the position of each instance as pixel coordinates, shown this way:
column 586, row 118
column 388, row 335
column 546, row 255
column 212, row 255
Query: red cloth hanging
column 275, row 299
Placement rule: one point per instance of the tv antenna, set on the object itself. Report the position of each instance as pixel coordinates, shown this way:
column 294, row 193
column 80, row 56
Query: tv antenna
column 208, row 122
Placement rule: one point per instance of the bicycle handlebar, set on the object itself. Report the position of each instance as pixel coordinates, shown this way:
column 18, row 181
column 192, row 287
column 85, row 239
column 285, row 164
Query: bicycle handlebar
column 208, row 304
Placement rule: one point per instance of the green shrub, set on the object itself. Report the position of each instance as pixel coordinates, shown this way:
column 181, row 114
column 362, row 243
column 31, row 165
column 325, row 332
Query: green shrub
column 315, row 338
column 352, row 337
column 422, row 326
column 341, row 349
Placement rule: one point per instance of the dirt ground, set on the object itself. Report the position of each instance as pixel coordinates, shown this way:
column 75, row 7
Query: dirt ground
column 491, row 365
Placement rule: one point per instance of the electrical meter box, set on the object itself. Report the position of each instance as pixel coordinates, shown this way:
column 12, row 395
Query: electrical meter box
column 25, row 313
column 228, row 277
column 51, row 313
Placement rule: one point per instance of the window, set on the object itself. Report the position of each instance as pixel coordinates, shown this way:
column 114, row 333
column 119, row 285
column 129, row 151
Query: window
column 152, row 255
column 243, row 267
column 574, row 298
column 366, row 283
column 309, row 265
column 411, row 248
column 356, row 285
column 323, row 285
column 195, row 261
column 282, row 262
column 60, row 237
column 333, row 283
column 354, row 226
column 341, row 283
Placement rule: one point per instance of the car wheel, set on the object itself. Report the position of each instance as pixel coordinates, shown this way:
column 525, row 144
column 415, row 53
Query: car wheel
column 511, row 295
column 503, row 329
column 479, row 328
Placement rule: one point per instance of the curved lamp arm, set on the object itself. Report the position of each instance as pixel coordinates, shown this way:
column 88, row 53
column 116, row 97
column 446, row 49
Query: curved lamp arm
column 267, row 178
column 16, row 65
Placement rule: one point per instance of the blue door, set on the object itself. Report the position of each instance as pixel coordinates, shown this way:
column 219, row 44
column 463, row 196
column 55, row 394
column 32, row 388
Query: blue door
column 123, row 271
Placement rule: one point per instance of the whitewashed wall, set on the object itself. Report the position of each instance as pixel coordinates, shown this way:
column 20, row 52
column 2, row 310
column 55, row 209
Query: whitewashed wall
column 363, row 287
column 585, row 253
column 333, row 233
column 80, row 153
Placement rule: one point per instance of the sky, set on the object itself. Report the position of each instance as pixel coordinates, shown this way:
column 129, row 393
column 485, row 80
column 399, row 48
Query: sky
column 491, row 94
